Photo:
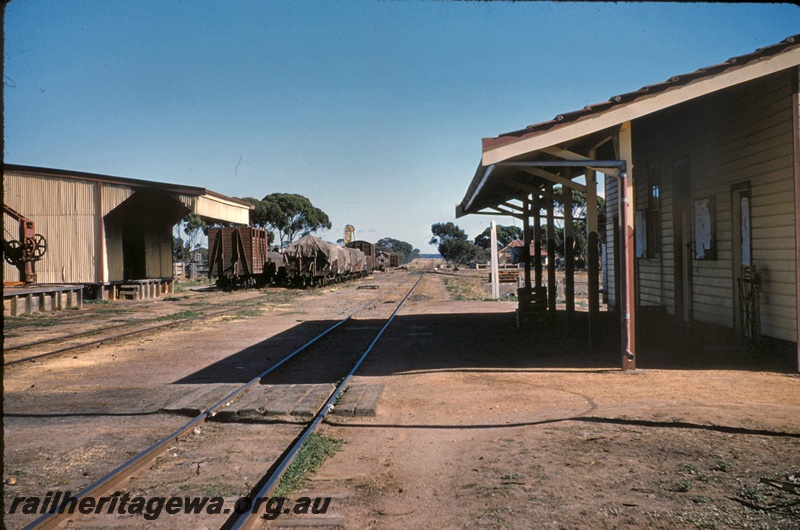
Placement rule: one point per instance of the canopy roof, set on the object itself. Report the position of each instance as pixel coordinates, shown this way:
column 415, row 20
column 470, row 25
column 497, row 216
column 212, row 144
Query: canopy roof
column 513, row 164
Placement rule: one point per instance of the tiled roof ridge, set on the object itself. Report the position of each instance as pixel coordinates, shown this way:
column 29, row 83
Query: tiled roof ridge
column 673, row 81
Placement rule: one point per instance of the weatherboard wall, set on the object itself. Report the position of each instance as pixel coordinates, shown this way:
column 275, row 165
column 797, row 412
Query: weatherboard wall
column 610, row 270
column 735, row 137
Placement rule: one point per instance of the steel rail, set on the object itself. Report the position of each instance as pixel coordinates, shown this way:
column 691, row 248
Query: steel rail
column 121, row 473
column 69, row 319
column 125, row 324
column 252, row 519
column 128, row 334
column 69, row 337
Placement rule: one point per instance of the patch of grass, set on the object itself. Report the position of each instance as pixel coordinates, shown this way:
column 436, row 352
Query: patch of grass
column 35, row 319
column 184, row 285
column 111, row 311
column 749, row 493
column 249, row 313
column 466, row 289
column 492, row 491
column 339, row 397
column 681, row 487
column 244, row 313
column 369, row 489
column 721, row 465
column 98, row 302
column 174, row 298
column 697, row 472
column 181, row 315
column 282, row 297
column 309, row 458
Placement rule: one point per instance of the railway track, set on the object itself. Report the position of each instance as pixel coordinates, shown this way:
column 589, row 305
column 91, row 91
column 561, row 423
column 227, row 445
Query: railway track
column 342, row 361
column 22, row 352
column 90, row 310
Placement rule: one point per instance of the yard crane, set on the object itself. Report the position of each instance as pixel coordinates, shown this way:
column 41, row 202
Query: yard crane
column 26, row 251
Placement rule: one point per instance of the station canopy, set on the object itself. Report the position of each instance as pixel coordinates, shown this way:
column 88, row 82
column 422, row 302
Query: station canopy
column 516, row 164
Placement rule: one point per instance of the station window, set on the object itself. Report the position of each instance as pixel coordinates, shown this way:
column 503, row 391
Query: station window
column 654, row 215
column 647, row 219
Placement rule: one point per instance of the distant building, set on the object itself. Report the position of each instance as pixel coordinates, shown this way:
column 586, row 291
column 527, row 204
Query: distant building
column 514, row 253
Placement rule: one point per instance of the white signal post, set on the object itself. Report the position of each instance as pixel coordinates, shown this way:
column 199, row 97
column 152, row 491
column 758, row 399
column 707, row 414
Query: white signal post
column 495, row 272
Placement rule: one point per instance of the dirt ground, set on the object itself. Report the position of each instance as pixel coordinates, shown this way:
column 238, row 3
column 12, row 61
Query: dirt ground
column 480, row 425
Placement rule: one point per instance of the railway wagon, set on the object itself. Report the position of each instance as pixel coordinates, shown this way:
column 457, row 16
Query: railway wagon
column 238, row 255
column 275, row 270
column 311, row 261
column 369, row 252
column 385, row 260
column 382, row 261
column 351, row 262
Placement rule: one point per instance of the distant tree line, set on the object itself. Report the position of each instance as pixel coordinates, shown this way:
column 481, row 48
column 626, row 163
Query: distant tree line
column 405, row 250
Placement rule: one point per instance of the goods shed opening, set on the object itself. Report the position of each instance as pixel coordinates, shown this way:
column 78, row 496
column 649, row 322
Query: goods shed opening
column 140, row 246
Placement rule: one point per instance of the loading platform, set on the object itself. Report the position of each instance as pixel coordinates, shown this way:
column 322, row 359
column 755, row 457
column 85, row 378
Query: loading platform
column 37, row 298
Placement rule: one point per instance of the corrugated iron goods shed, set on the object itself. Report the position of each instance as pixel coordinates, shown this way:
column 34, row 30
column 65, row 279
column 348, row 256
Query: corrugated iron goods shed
column 103, row 230
column 702, row 188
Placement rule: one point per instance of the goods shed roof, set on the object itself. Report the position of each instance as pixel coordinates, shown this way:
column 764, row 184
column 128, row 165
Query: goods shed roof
column 200, row 201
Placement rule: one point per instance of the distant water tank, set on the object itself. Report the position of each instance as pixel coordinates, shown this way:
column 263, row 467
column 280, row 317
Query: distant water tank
column 349, row 234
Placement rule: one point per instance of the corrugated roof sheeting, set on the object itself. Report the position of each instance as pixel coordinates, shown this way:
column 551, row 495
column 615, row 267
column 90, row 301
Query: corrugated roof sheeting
column 649, row 90
column 64, row 213
column 113, row 196
column 187, row 200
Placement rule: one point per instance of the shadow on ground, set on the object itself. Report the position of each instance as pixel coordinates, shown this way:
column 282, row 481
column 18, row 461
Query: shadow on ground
column 491, row 341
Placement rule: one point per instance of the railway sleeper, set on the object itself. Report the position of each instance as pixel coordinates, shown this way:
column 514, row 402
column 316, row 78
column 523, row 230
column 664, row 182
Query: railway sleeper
column 263, row 403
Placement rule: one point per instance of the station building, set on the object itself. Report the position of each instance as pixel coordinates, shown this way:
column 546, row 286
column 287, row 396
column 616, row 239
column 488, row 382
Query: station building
column 109, row 237
column 702, row 187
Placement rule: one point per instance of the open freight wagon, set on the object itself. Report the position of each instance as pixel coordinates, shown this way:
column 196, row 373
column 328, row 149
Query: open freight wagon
column 311, row 261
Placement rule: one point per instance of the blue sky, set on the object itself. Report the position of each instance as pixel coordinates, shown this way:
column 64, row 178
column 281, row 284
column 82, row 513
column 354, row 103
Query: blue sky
column 374, row 110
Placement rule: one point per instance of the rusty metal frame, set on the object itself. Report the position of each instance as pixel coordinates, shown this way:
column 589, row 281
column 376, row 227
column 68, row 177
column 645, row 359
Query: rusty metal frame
column 796, row 133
